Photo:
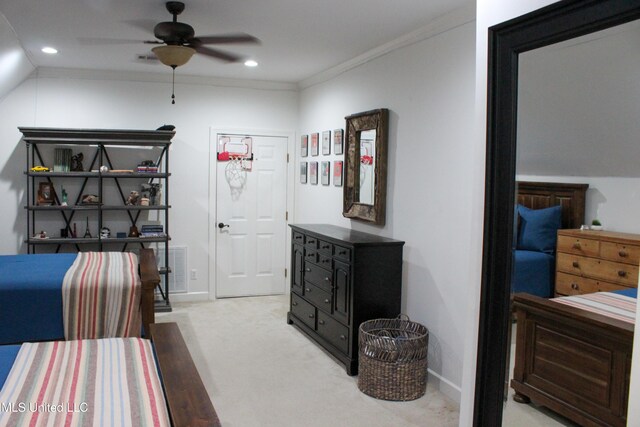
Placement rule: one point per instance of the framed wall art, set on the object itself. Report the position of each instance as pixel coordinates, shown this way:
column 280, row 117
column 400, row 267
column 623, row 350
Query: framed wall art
column 337, row 173
column 338, row 147
column 303, row 172
column 324, row 172
column 304, row 145
column 326, row 142
column 314, row 143
column 313, row 173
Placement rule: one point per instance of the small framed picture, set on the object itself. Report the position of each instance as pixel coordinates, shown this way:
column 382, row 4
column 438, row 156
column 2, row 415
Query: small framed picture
column 314, row 143
column 337, row 173
column 324, row 172
column 313, row 173
column 304, row 145
column 338, row 141
column 326, row 142
column 45, row 194
column 303, row 172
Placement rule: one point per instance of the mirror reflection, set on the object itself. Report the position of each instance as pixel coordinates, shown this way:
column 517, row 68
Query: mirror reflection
column 367, row 166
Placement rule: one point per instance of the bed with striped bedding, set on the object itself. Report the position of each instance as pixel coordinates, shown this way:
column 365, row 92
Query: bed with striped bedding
column 101, row 296
column 610, row 304
column 104, row 382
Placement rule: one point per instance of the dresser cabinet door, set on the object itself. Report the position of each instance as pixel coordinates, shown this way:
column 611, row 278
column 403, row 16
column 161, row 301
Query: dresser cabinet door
column 297, row 268
column 341, row 290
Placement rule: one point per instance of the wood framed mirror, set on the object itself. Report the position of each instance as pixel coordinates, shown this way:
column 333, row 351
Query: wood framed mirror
column 365, row 169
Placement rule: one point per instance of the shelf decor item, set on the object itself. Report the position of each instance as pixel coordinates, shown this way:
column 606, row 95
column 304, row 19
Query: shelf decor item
column 62, row 159
column 45, row 194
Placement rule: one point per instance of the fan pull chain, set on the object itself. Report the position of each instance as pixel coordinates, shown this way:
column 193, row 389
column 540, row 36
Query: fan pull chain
column 173, row 86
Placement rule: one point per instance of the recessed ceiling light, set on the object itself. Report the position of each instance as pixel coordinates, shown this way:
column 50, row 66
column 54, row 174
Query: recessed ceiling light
column 49, row 50
column 251, row 63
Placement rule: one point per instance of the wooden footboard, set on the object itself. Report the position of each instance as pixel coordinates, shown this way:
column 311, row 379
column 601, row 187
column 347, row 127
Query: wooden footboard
column 150, row 278
column 187, row 399
column 572, row 361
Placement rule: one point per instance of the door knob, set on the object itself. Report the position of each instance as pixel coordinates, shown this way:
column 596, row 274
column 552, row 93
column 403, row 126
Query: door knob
column 222, row 225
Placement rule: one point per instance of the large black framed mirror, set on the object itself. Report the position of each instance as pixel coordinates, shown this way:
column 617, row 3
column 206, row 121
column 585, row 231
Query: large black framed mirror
column 365, row 169
column 555, row 23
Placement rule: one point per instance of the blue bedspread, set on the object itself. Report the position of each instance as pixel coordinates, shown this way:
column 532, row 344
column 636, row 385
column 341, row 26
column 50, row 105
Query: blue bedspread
column 533, row 272
column 631, row 292
column 8, row 355
column 31, row 296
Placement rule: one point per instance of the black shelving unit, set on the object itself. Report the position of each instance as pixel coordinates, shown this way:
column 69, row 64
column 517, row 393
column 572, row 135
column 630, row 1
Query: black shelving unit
column 100, row 142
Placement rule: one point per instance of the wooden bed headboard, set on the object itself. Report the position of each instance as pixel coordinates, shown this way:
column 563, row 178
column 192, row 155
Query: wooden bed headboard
column 540, row 195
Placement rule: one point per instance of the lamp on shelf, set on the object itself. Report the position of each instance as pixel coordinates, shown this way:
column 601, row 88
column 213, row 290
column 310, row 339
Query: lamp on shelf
column 173, row 56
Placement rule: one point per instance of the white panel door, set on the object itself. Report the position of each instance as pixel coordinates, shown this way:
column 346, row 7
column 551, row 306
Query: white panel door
column 250, row 223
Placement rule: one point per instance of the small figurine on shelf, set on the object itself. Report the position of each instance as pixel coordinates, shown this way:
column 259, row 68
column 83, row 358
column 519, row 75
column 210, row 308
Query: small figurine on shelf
column 64, row 197
column 41, row 235
column 133, row 198
column 76, row 162
column 87, row 233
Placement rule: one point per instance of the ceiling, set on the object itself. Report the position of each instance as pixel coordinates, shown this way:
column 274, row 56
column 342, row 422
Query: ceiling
column 299, row 38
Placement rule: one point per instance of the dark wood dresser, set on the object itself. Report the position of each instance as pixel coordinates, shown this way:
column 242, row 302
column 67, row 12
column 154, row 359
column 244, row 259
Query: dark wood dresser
column 339, row 279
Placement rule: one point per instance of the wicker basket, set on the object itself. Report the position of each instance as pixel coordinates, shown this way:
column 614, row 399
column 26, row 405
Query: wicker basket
column 393, row 359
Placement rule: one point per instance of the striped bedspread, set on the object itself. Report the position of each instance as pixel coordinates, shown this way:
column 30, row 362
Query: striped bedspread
column 101, row 296
column 610, row 304
column 105, row 382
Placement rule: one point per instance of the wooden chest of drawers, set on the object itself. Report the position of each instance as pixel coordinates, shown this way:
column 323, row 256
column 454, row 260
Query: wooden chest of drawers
column 339, row 279
column 592, row 261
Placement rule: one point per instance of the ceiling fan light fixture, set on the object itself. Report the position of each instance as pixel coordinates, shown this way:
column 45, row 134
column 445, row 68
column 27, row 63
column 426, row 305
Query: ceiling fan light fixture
column 173, row 55
column 50, row 50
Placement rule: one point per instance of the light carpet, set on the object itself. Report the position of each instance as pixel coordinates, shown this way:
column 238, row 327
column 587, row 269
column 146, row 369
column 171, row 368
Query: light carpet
column 260, row 371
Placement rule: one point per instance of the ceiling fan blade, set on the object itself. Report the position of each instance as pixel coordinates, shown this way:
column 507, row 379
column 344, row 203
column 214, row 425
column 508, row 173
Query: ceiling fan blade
column 228, row 39
column 218, row 54
column 152, row 42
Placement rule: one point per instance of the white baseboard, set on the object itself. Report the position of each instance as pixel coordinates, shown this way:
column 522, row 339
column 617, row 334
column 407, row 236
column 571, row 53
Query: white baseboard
column 445, row 386
column 189, row 297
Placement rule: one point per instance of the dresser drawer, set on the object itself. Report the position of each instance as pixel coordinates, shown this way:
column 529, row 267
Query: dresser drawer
column 569, row 284
column 318, row 276
column 578, row 246
column 311, row 255
column 303, row 310
column 318, row 297
column 342, row 253
column 334, row 332
column 298, row 238
column 598, row 269
column 629, row 254
column 325, row 247
column 311, row 242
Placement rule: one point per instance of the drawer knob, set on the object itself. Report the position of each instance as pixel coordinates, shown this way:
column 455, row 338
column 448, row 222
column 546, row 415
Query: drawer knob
column 576, row 264
column 342, row 252
column 325, row 246
column 622, row 273
column 325, row 261
column 342, row 337
column 308, row 290
column 327, row 279
column 311, row 241
column 576, row 245
column 575, row 286
column 622, row 254
column 326, row 300
column 308, row 270
column 294, row 303
column 320, row 322
column 311, row 316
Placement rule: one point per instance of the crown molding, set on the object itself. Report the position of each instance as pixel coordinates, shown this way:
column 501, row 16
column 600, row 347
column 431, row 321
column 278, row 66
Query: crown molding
column 133, row 76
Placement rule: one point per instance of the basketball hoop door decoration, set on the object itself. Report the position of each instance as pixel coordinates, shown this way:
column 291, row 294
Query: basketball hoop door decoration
column 237, row 152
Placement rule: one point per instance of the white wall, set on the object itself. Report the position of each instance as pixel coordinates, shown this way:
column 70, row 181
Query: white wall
column 72, row 98
column 14, row 63
column 428, row 88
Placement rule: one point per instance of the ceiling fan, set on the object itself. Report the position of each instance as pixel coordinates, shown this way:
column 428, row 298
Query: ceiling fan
column 179, row 41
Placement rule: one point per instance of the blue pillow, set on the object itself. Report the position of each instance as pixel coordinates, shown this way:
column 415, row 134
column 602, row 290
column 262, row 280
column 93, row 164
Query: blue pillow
column 538, row 228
